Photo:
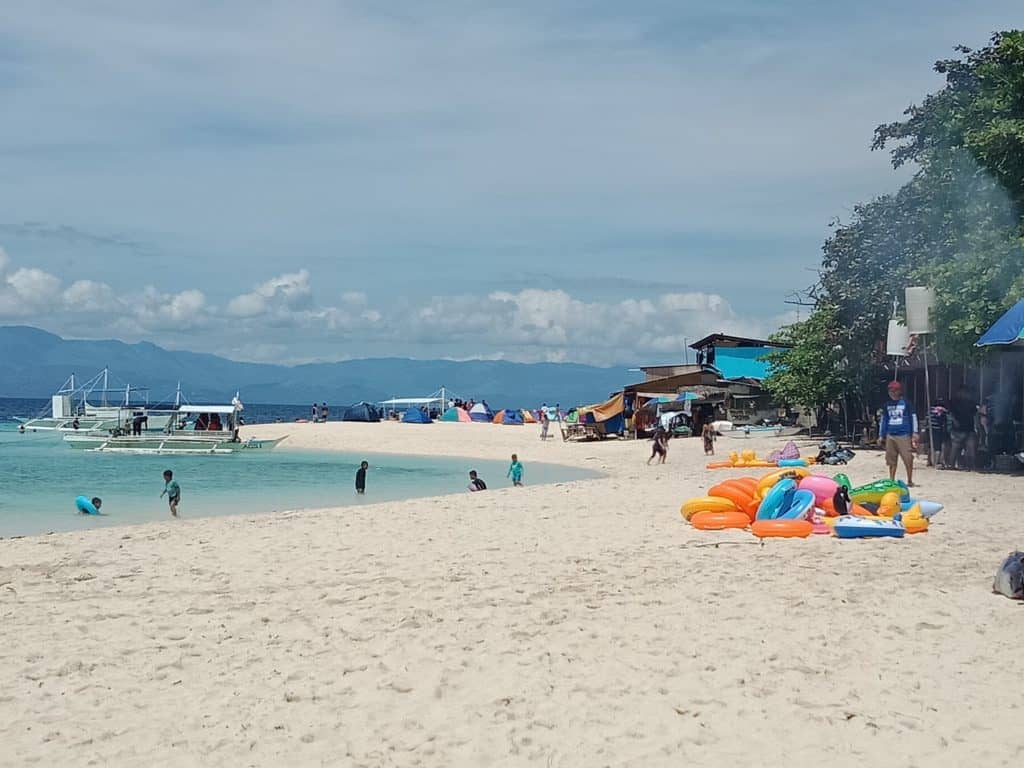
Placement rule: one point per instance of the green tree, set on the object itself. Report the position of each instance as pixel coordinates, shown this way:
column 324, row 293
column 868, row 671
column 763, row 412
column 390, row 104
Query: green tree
column 968, row 140
column 810, row 371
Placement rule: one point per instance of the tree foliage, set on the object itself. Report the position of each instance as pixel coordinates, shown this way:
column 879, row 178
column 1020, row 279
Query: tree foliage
column 955, row 225
column 810, row 371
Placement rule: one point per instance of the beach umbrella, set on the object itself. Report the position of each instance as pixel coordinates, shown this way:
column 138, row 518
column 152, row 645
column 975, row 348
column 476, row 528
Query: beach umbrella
column 1008, row 329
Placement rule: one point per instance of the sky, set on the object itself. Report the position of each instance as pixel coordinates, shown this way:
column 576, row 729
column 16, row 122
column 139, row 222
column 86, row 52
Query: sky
column 587, row 181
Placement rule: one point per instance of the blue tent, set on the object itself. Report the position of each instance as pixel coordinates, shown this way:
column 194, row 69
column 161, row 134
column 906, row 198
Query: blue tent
column 416, row 416
column 361, row 412
column 481, row 413
column 509, row 418
column 1008, row 329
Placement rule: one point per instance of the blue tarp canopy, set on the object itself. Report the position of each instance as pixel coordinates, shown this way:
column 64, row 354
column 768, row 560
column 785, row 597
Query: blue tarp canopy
column 743, row 362
column 1008, row 329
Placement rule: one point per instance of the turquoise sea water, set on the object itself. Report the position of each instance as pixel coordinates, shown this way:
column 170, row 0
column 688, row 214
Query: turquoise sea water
column 40, row 478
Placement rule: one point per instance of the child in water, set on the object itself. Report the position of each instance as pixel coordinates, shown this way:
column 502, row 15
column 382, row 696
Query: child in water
column 173, row 491
column 515, row 471
column 361, row 478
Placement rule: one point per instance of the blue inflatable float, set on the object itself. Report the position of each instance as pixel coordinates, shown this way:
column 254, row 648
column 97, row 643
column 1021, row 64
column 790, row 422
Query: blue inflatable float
column 85, row 506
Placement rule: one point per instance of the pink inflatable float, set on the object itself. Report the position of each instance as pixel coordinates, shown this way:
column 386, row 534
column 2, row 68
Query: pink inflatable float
column 823, row 488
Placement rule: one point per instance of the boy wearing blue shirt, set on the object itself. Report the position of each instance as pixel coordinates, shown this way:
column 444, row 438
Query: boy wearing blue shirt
column 515, row 471
column 898, row 432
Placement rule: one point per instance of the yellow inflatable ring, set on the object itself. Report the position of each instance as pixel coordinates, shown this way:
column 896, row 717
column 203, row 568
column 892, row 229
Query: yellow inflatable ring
column 706, row 504
column 767, row 482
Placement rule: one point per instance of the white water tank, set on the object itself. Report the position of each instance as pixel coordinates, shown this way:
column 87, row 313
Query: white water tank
column 898, row 339
column 920, row 303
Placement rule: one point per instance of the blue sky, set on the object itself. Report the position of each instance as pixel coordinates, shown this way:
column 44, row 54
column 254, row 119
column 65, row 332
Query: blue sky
column 587, row 181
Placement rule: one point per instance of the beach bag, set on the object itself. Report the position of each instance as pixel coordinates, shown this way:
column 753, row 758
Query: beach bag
column 1009, row 579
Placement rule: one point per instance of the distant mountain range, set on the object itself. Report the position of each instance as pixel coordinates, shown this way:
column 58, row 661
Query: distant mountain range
column 36, row 363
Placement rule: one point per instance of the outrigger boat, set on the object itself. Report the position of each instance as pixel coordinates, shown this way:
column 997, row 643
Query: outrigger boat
column 197, row 429
column 71, row 410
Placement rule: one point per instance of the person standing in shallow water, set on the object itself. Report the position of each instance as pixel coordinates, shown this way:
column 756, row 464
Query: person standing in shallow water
column 361, row 478
column 475, row 483
column 173, row 492
column 515, row 471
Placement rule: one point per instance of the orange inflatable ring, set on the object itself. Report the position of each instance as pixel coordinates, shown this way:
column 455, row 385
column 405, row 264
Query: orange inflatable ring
column 706, row 504
column 751, row 509
column 748, row 484
column 734, row 493
column 782, row 529
column 719, row 521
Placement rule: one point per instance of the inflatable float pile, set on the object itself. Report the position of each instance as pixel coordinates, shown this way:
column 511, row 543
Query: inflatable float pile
column 750, row 459
column 793, row 503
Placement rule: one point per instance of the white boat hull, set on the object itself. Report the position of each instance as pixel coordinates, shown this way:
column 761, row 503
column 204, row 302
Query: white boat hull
column 173, row 444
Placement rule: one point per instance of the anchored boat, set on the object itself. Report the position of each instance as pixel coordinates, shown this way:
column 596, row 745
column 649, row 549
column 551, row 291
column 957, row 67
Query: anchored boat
column 195, row 429
column 72, row 411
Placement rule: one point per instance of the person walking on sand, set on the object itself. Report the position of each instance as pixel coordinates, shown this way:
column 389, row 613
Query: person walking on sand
column 515, row 471
column 361, row 478
column 545, row 423
column 708, row 433
column 660, row 447
column 173, row 491
column 898, row 432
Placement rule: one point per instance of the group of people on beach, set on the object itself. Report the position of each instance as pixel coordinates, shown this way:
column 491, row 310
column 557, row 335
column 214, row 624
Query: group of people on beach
column 661, row 437
column 476, row 483
column 953, row 433
column 320, row 413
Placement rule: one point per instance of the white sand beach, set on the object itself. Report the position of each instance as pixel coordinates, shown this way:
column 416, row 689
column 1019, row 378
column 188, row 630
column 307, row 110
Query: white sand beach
column 581, row 624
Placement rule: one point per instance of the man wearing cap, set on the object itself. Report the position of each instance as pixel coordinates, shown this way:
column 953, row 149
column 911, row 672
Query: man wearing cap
column 898, row 432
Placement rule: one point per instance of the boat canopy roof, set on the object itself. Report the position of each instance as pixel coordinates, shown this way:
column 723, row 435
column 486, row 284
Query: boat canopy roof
column 207, row 409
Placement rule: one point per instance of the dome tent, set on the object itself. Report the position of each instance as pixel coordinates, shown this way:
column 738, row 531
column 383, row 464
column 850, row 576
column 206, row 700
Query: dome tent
column 455, row 414
column 481, row 413
column 416, row 416
column 361, row 412
column 509, row 418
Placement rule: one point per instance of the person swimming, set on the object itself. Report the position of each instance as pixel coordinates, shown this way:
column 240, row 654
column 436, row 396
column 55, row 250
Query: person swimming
column 85, row 506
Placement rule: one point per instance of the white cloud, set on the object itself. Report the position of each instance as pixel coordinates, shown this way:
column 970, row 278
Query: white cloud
column 284, row 293
column 279, row 321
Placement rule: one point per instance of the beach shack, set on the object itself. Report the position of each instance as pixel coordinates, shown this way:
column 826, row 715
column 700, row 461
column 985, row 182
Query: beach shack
column 724, row 383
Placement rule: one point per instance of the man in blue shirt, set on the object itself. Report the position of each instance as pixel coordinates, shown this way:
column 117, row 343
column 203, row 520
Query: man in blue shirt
column 898, row 432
